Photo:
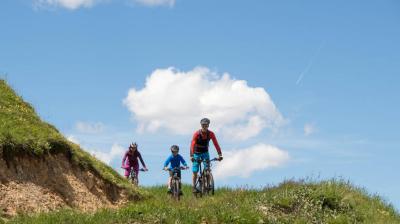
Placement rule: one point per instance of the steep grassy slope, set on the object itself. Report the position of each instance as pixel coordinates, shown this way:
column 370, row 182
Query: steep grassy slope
column 23, row 132
column 291, row 202
column 26, row 142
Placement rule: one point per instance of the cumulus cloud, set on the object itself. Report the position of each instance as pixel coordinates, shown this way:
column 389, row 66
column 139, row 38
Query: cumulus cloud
column 117, row 151
column 244, row 162
column 176, row 101
column 89, row 128
column 68, row 4
column 76, row 4
column 309, row 129
column 151, row 3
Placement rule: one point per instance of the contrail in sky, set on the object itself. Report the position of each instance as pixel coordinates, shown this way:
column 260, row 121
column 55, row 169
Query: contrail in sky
column 310, row 63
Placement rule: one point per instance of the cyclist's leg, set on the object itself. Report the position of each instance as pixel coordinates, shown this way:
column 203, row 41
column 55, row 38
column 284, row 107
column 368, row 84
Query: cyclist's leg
column 194, row 179
column 179, row 182
column 135, row 168
column 180, row 178
column 195, row 170
column 127, row 172
column 206, row 158
column 169, row 181
column 206, row 163
column 179, row 174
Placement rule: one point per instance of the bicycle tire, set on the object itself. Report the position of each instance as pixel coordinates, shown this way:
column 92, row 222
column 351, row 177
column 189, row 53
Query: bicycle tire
column 177, row 196
column 173, row 189
column 198, row 193
column 134, row 179
column 211, row 183
column 204, row 184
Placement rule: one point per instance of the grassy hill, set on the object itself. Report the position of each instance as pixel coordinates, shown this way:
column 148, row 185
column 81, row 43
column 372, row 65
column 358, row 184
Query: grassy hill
column 291, row 202
column 22, row 132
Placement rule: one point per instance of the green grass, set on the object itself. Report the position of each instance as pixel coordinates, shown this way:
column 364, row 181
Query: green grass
column 335, row 201
column 22, row 132
column 291, row 202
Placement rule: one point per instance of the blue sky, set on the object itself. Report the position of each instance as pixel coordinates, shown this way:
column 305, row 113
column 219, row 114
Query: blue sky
column 329, row 67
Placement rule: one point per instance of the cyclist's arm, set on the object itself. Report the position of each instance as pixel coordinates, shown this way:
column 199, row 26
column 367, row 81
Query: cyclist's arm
column 141, row 160
column 193, row 143
column 182, row 160
column 167, row 161
column 217, row 147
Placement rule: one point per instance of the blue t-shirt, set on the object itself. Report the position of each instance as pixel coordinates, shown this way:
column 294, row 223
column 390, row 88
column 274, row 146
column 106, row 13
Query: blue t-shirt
column 175, row 161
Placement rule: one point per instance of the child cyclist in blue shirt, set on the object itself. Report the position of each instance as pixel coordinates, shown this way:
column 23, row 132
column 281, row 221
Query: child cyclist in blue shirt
column 175, row 160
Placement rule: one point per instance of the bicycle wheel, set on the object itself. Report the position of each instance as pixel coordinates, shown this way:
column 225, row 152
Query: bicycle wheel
column 211, row 183
column 204, row 186
column 198, row 187
column 134, row 179
column 177, row 196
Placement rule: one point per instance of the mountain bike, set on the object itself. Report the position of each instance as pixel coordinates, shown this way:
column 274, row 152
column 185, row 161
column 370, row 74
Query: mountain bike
column 205, row 180
column 133, row 178
column 176, row 182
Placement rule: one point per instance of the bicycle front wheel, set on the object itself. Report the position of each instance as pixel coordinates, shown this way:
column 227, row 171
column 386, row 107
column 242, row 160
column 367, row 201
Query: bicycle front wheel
column 204, row 184
column 135, row 181
column 211, row 183
column 176, row 189
column 198, row 187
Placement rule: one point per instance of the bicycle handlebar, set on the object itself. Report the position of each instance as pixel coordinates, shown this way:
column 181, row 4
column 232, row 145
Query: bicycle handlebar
column 176, row 168
column 131, row 168
column 211, row 160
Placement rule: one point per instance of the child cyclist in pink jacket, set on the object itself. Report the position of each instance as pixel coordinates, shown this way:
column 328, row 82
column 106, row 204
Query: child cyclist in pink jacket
column 130, row 160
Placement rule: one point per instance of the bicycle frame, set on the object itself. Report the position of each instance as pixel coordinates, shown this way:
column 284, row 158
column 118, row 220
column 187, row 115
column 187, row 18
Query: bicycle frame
column 175, row 182
column 133, row 177
column 200, row 183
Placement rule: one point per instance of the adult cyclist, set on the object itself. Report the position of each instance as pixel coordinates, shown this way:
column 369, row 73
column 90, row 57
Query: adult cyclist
column 199, row 148
column 130, row 160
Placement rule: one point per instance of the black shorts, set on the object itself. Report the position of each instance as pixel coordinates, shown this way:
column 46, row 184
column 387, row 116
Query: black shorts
column 178, row 171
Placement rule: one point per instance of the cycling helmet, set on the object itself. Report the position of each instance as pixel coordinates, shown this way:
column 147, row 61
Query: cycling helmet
column 174, row 148
column 133, row 145
column 205, row 121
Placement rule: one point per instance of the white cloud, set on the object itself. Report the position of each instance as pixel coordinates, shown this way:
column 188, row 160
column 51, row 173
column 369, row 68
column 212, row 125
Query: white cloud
column 309, row 129
column 73, row 139
column 68, row 4
column 151, row 3
column 76, row 4
column 117, row 151
column 176, row 101
column 244, row 162
column 89, row 128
